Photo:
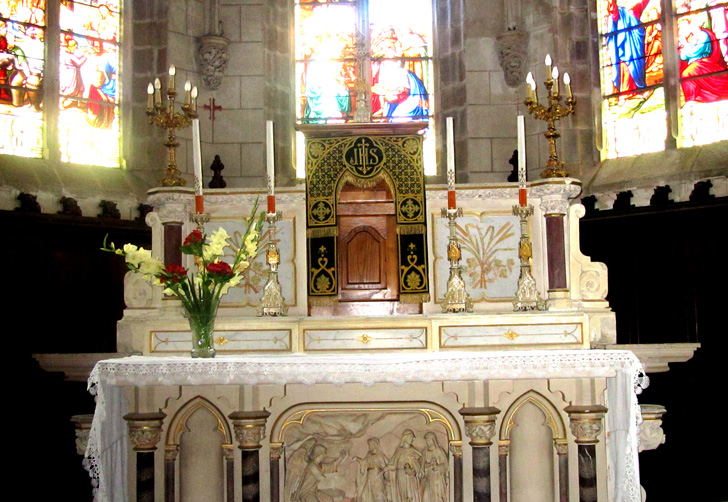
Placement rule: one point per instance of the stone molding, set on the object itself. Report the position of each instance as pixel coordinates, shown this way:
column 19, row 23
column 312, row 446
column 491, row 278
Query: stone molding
column 651, row 433
column 480, row 424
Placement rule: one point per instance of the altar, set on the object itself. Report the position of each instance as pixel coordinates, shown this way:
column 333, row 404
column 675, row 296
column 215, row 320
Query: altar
column 282, row 406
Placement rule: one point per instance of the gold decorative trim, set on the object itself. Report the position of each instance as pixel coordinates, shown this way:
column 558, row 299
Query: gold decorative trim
column 323, row 301
column 553, row 419
column 331, row 231
column 414, row 297
column 511, row 335
column 178, row 424
column 299, row 417
column 364, row 338
column 411, row 229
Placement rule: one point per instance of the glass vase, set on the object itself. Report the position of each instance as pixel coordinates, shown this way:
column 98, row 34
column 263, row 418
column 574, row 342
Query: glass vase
column 202, row 326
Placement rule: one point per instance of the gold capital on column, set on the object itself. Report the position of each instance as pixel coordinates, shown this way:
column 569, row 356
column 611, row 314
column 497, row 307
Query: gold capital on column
column 480, row 424
column 145, row 429
column 586, row 422
column 562, row 447
column 504, row 448
column 249, row 428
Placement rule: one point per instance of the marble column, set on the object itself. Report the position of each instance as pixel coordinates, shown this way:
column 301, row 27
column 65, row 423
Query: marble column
column 555, row 206
column 456, row 449
column 228, row 453
column 586, row 424
column 562, row 452
column 480, row 428
column 276, row 449
column 170, row 472
column 504, row 448
column 172, row 214
column 145, row 431
column 250, row 430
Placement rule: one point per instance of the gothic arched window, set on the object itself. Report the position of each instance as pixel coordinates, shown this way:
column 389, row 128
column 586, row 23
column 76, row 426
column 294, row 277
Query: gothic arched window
column 654, row 90
column 66, row 104
column 364, row 61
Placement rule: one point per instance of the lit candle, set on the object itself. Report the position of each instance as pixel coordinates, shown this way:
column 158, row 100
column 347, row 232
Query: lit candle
column 270, row 167
column 451, row 204
column 548, row 66
column 531, row 86
column 197, row 161
column 172, row 71
column 555, row 78
column 194, row 98
column 157, row 91
column 150, row 96
column 188, row 91
column 521, row 123
column 567, row 84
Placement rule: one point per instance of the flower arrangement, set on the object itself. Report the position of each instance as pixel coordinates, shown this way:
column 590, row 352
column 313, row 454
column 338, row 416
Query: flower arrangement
column 199, row 292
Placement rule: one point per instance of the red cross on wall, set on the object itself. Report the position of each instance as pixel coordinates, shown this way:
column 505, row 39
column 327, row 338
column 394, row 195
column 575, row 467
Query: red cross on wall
column 212, row 108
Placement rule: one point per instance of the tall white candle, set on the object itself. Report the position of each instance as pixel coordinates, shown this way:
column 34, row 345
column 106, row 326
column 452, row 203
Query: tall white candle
column 450, row 154
column 270, row 157
column 555, row 78
column 521, row 123
column 197, row 155
column 172, row 72
column 548, row 63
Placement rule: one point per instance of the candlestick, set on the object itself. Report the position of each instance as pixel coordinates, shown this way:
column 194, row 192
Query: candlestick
column 548, row 66
column 188, row 93
column 451, row 202
column 457, row 299
column 521, row 125
column 157, row 91
column 567, row 84
column 172, row 72
column 197, row 162
column 150, row 96
column 552, row 111
column 270, row 166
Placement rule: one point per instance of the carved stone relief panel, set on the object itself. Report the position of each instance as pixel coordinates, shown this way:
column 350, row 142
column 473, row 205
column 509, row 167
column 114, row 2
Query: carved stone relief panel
column 367, row 455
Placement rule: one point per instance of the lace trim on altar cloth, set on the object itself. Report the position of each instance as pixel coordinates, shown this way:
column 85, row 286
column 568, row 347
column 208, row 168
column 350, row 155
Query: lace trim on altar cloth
column 108, row 444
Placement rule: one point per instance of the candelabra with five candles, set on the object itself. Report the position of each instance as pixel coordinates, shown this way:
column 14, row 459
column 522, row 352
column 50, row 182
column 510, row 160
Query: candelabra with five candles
column 162, row 114
column 551, row 112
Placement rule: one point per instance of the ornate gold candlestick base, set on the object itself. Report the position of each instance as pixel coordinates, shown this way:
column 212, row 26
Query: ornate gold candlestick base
column 272, row 304
column 527, row 296
column 200, row 219
column 456, row 298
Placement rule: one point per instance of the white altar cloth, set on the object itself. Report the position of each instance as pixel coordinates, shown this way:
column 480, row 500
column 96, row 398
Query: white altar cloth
column 108, row 440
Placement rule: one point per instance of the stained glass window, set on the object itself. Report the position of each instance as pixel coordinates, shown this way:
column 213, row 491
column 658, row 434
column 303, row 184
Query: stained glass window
column 22, row 36
column 379, row 73
column 87, row 124
column 632, row 67
column 702, row 33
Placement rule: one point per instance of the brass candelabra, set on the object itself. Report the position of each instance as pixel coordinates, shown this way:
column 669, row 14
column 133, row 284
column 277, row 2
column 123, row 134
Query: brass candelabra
column 162, row 114
column 551, row 112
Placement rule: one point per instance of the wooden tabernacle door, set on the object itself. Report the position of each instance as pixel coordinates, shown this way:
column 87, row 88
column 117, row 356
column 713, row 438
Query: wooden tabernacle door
column 366, row 227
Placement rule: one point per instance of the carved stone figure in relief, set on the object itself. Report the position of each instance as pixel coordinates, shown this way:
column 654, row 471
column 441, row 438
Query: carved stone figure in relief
column 404, row 471
column 434, row 471
column 315, row 472
column 296, row 464
column 370, row 481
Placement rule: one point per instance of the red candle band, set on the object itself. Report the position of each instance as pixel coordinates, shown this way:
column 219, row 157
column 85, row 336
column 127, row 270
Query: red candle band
column 271, row 204
column 199, row 204
column 522, row 196
column 451, row 199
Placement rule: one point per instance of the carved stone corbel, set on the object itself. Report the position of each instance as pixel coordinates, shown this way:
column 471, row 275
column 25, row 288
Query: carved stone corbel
column 651, row 433
column 212, row 60
column 82, row 425
column 512, row 54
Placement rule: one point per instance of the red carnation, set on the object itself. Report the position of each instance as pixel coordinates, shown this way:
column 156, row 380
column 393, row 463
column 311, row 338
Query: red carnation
column 220, row 268
column 194, row 237
column 173, row 273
